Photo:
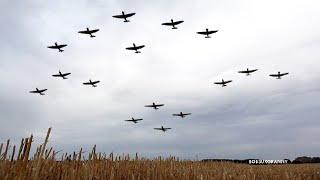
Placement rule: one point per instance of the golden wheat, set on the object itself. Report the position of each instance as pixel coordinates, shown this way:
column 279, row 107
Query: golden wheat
column 44, row 164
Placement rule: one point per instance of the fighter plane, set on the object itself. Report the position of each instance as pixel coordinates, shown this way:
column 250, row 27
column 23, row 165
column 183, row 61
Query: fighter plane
column 182, row 115
column 279, row 75
column 162, row 129
column 172, row 23
column 92, row 83
column 63, row 75
column 223, row 83
column 56, row 46
column 90, row 32
column 248, row 71
column 124, row 16
column 135, row 48
column 40, row 91
column 155, row 106
column 134, row 120
column 207, row 32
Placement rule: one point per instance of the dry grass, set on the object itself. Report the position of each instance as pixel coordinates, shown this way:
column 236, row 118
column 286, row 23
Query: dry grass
column 45, row 164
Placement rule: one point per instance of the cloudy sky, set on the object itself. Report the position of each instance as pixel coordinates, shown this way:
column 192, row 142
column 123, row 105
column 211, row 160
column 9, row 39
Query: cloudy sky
column 254, row 117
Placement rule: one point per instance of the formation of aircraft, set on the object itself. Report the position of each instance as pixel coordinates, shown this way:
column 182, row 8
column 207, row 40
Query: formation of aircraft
column 89, row 32
column 181, row 114
column 172, row 23
column 57, row 46
column 279, row 75
column 92, row 83
column 248, row 71
column 124, row 16
column 39, row 91
column 223, row 83
column 154, row 105
column 134, row 120
column 135, row 48
column 162, row 129
column 63, row 75
column 207, row 33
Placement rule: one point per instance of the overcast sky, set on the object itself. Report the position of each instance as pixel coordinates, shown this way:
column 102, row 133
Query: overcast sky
column 255, row 116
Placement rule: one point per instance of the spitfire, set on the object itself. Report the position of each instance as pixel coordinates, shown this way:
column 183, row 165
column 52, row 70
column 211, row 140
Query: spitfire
column 137, row 49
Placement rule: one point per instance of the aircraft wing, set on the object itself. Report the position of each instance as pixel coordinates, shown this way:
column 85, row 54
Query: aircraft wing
column 94, row 31
column 138, row 119
column 61, row 46
column 274, row 75
column 157, row 128
column 211, row 32
column 177, row 22
column 56, row 75
column 52, row 47
column 187, row 114
column 119, row 16
column 158, row 105
column 95, row 82
column 167, row 24
column 87, row 83
column 284, row 74
column 139, row 47
column 242, row 71
column 218, row 83
column 148, row 106
column 129, row 15
column 43, row 90
column 34, row 91
column 203, row 32
column 176, row 115
column 84, row 32
column 166, row 128
column 66, row 74
column 228, row 81
column 129, row 120
column 131, row 48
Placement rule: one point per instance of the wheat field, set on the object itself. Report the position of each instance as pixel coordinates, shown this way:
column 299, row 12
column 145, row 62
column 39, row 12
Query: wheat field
column 18, row 163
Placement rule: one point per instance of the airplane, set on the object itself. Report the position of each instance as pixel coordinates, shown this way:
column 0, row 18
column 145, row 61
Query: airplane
column 182, row 115
column 172, row 23
column 63, row 75
column 223, row 83
column 124, row 16
column 56, row 46
column 207, row 32
column 40, row 91
column 155, row 106
column 279, row 75
column 248, row 71
column 162, row 129
column 134, row 120
column 90, row 32
column 135, row 48
column 92, row 83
